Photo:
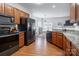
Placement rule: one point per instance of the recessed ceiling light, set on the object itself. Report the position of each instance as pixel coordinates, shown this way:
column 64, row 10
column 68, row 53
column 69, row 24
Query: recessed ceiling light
column 53, row 6
column 38, row 3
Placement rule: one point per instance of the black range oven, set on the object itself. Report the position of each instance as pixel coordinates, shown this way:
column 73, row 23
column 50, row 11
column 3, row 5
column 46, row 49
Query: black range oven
column 8, row 44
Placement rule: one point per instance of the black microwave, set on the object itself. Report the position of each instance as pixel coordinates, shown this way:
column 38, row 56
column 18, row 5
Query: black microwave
column 5, row 19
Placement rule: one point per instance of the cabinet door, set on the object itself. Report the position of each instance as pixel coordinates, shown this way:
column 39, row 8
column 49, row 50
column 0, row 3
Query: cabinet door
column 77, row 12
column 23, row 14
column 59, row 40
column 72, row 12
column 8, row 10
column 68, row 48
column 1, row 8
column 64, row 43
column 74, row 50
column 26, row 15
column 21, row 39
column 54, row 38
column 17, row 16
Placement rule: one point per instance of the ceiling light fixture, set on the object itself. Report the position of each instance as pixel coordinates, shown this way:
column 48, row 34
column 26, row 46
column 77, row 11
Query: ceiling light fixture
column 53, row 6
column 38, row 3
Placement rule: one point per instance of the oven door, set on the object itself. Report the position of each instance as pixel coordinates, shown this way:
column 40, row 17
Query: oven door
column 8, row 45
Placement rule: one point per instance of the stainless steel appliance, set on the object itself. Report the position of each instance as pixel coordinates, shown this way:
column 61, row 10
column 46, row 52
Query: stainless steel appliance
column 27, row 25
column 9, row 43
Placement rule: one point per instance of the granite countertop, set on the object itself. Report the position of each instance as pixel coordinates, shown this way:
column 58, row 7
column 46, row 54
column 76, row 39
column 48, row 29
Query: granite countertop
column 71, row 34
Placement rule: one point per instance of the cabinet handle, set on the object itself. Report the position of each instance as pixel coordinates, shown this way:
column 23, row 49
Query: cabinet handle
column 60, row 34
column 10, row 45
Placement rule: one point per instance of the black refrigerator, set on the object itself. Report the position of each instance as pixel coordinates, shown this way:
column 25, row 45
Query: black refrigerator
column 28, row 26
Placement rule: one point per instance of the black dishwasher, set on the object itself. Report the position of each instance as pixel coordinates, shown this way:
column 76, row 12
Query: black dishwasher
column 9, row 44
column 49, row 36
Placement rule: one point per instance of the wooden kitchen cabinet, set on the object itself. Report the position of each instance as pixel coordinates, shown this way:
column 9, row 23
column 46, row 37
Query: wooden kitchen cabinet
column 72, row 12
column 21, row 39
column 26, row 15
column 64, row 42
column 59, row 39
column 23, row 14
column 17, row 16
column 8, row 10
column 11, row 11
column 74, row 50
column 1, row 8
column 54, row 38
column 68, row 48
column 77, row 12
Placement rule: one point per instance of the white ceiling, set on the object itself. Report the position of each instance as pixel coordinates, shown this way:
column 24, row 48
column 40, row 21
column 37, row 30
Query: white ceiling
column 45, row 10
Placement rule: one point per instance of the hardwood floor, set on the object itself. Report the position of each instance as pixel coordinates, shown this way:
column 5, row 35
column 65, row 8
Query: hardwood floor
column 39, row 48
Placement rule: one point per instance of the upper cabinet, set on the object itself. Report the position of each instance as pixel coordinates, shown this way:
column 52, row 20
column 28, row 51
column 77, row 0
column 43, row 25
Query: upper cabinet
column 8, row 10
column 72, row 12
column 23, row 14
column 1, row 8
column 17, row 16
column 11, row 11
column 77, row 12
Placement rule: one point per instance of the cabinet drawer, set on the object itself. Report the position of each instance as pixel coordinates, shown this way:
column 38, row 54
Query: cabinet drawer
column 54, row 36
column 64, row 43
column 21, row 33
column 21, row 39
column 68, row 44
column 21, row 36
column 54, row 33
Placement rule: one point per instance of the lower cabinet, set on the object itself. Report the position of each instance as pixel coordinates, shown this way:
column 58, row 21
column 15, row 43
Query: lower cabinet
column 57, row 39
column 21, row 39
column 68, row 48
column 60, row 40
column 74, row 50
column 54, row 38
